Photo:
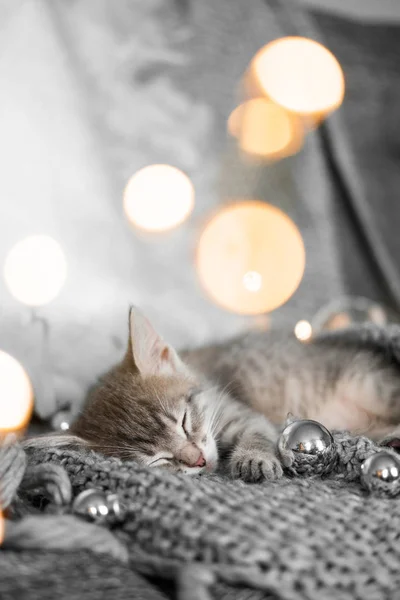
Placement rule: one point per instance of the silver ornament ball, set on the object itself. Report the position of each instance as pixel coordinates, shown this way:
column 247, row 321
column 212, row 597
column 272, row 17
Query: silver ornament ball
column 382, row 466
column 91, row 504
column 306, row 437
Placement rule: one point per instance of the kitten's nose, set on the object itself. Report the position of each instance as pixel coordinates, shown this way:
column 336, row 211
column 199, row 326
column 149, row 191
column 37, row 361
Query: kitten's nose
column 201, row 461
column 192, row 456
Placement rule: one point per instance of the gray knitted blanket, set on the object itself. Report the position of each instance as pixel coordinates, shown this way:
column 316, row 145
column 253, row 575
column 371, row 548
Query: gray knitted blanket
column 306, row 536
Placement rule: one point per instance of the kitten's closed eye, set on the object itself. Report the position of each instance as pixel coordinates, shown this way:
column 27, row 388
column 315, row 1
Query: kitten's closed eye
column 160, row 461
column 184, row 424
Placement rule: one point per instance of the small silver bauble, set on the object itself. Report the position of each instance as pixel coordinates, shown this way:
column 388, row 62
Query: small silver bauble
column 307, row 448
column 95, row 505
column 380, row 467
column 306, row 437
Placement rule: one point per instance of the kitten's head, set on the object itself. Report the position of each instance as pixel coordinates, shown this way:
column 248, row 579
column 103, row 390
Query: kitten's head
column 151, row 408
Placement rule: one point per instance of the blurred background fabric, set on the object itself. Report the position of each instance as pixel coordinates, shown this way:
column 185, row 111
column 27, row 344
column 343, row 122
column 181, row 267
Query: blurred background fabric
column 93, row 90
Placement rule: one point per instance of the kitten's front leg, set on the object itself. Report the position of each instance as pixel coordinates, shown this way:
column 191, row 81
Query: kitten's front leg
column 248, row 441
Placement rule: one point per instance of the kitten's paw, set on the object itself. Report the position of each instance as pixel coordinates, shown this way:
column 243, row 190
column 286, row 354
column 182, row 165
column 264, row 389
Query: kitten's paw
column 254, row 465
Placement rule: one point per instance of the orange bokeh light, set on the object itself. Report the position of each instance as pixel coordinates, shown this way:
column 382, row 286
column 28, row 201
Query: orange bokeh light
column 250, row 258
column 265, row 129
column 300, row 75
column 16, row 395
column 158, row 198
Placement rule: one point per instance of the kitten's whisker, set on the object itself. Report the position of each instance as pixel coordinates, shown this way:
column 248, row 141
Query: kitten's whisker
column 228, row 387
column 110, row 447
column 215, row 426
column 122, row 450
column 216, row 414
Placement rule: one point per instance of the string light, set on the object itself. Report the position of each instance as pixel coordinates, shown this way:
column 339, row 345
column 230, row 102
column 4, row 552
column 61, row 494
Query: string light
column 303, row 331
column 35, row 270
column 300, row 75
column 250, row 257
column 158, row 198
column 16, row 395
column 265, row 129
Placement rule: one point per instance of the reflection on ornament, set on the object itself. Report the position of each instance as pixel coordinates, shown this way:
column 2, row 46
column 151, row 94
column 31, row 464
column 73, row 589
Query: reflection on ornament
column 16, row 395
column 158, row 197
column 114, row 506
column 380, row 468
column 266, row 130
column 300, row 75
column 35, row 270
column 339, row 321
column 250, row 257
column 303, row 330
column 346, row 311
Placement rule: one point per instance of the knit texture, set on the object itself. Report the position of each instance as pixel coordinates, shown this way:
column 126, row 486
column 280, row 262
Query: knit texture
column 319, row 538
column 46, row 575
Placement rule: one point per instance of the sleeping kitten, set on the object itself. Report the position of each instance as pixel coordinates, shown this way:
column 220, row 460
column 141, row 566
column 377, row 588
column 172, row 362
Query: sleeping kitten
column 155, row 409
column 223, row 406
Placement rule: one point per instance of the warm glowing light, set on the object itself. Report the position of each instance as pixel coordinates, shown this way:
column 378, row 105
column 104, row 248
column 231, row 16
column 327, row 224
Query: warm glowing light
column 16, row 395
column 158, row 198
column 35, row 270
column 265, row 129
column 303, row 331
column 250, row 258
column 300, row 75
column 1, row 529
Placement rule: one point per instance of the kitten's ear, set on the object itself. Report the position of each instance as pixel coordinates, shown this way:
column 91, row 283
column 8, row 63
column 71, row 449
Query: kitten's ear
column 150, row 353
